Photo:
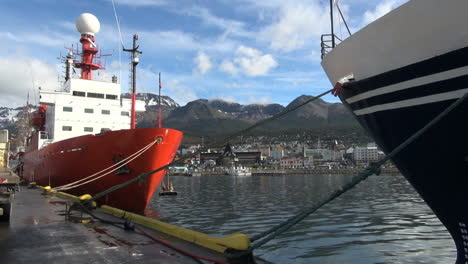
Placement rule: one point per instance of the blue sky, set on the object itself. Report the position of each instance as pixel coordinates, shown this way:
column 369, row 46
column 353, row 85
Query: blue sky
column 247, row 51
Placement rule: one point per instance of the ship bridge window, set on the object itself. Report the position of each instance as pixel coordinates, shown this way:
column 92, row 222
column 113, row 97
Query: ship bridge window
column 105, row 112
column 96, row 95
column 125, row 113
column 78, row 93
column 88, row 129
column 89, row 110
column 111, row 96
column 67, row 109
column 67, row 128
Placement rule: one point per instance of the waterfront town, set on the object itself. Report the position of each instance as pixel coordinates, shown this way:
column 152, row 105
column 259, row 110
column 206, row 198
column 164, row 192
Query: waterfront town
column 289, row 155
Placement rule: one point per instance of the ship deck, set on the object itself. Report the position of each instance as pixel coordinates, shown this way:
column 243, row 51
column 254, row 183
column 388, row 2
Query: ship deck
column 40, row 232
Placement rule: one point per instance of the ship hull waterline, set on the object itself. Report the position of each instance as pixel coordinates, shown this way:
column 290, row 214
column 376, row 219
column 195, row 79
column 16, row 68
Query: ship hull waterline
column 72, row 159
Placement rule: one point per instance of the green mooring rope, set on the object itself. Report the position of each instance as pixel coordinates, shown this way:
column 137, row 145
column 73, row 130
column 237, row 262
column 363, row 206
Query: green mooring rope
column 145, row 175
column 373, row 168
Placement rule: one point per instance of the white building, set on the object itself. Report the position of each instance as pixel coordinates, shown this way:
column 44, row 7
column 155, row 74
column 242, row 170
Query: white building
column 292, row 163
column 367, row 154
column 323, row 154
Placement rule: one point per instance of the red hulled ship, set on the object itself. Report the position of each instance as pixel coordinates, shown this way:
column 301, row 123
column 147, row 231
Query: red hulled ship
column 84, row 139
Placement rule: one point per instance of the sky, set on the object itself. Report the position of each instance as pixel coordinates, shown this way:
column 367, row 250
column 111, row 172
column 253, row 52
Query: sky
column 245, row 51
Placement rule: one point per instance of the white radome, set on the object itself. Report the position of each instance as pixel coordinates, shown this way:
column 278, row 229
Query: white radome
column 87, row 23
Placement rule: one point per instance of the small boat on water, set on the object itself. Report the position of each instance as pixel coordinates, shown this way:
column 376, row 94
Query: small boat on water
column 238, row 171
column 396, row 75
column 167, row 189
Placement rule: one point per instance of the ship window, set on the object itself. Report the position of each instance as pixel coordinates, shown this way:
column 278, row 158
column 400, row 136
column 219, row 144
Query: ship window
column 67, row 109
column 89, row 110
column 78, row 93
column 105, row 112
column 96, row 95
column 88, row 129
column 67, row 128
column 111, row 96
column 125, row 113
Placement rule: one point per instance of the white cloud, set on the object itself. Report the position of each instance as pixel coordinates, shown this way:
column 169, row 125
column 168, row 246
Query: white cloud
column 249, row 61
column 381, row 9
column 229, row 99
column 252, row 63
column 168, row 40
column 228, row 67
column 47, row 38
column 237, row 85
column 229, row 26
column 179, row 92
column 247, row 51
column 20, row 75
column 140, row 2
column 202, row 63
column 295, row 81
column 297, row 24
column 260, row 100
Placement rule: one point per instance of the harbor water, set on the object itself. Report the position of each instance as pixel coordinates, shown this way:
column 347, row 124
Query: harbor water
column 382, row 220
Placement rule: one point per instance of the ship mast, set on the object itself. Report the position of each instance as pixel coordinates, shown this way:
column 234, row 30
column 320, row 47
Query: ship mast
column 331, row 19
column 135, row 60
column 88, row 25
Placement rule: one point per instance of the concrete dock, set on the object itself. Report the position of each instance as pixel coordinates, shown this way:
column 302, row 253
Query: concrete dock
column 40, row 232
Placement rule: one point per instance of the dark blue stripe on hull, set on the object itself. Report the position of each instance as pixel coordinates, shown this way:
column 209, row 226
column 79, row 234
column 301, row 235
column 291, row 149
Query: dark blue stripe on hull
column 437, row 163
column 414, row 92
column 445, row 62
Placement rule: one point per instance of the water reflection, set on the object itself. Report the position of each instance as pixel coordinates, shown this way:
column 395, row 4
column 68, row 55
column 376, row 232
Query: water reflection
column 382, row 220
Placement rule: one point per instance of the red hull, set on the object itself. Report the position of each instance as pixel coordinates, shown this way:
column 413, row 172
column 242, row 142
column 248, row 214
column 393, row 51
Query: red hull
column 70, row 160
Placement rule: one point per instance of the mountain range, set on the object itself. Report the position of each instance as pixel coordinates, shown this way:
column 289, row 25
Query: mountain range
column 218, row 117
column 212, row 117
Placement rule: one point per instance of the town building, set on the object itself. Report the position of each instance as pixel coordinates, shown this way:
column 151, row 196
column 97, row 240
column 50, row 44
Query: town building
column 369, row 153
column 291, row 163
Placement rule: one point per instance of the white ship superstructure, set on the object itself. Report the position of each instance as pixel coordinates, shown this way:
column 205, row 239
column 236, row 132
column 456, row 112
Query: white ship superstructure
column 85, row 107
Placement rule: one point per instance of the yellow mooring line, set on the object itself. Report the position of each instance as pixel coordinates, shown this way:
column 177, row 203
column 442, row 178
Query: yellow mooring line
column 236, row 241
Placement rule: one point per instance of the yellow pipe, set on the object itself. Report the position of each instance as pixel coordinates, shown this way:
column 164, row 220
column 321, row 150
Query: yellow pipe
column 235, row 241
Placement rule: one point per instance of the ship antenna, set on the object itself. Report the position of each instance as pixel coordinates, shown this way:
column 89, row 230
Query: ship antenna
column 332, row 29
column 121, row 40
column 159, row 102
column 342, row 17
column 135, row 60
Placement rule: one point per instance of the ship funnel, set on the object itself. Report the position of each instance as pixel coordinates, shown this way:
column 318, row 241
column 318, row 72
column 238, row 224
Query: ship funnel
column 87, row 24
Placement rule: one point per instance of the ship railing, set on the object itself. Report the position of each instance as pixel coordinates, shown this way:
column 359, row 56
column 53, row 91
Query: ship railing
column 327, row 43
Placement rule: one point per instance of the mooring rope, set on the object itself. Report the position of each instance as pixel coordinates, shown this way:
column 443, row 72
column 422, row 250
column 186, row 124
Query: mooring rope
column 373, row 168
column 264, row 237
column 96, row 175
column 143, row 176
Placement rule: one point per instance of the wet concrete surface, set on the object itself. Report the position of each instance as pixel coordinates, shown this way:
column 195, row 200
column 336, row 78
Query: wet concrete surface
column 39, row 232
